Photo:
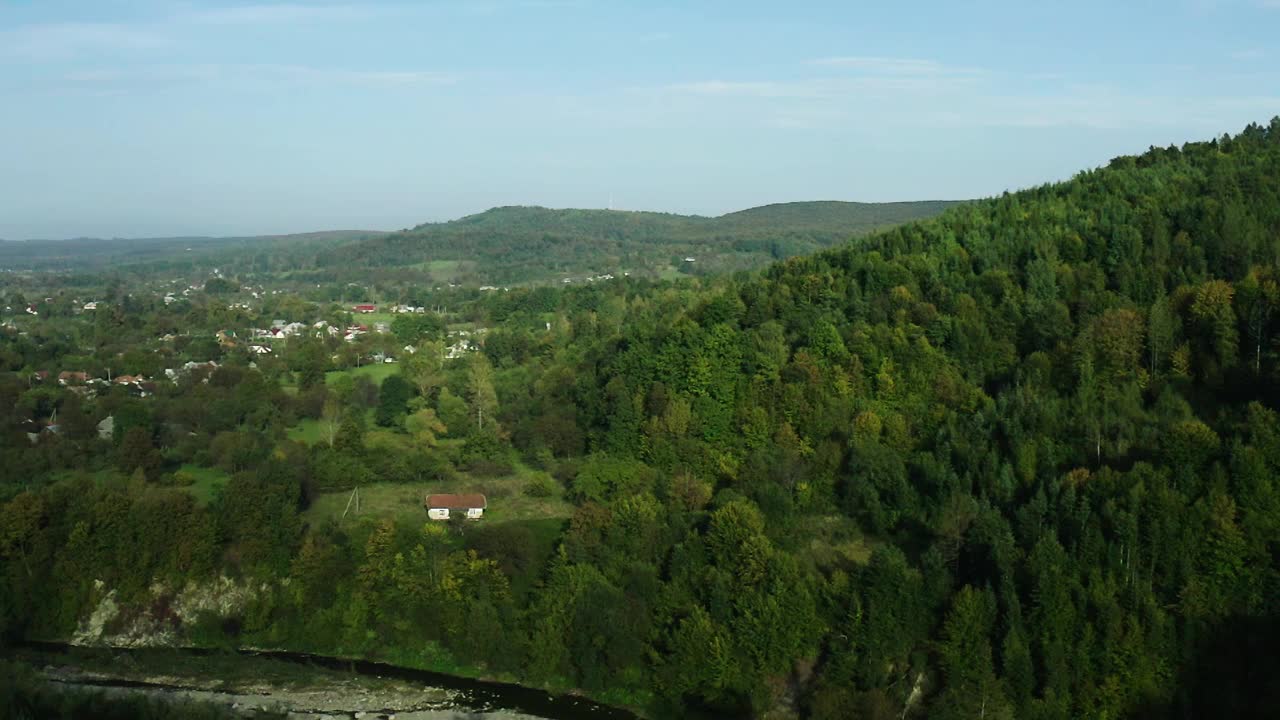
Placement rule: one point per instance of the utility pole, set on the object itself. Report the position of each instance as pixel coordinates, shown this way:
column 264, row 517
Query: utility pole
column 355, row 496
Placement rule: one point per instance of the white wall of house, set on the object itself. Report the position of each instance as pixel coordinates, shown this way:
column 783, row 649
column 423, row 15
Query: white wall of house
column 438, row 513
column 475, row 513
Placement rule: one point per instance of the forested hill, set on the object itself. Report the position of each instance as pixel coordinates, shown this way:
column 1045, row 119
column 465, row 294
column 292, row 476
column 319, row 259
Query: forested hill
column 511, row 245
column 1055, row 412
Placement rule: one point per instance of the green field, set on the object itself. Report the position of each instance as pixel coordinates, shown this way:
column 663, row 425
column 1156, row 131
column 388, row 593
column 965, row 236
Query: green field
column 309, row 431
column 442, row 270
column 208, row 482
column 369, row 319
column 403, row 502
column 377, row 372
column 312, row 430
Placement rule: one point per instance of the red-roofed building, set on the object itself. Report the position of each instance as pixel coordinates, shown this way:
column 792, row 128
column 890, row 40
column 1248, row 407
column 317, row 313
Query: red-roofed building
column 365, row 308
column 439, row 506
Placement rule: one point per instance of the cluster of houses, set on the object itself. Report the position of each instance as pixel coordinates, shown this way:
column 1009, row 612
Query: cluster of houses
column 86, row 385
column 281, row 330
column 592, row 278
column 82, row 383
column 462, row 343
column 33, row 308
column 394, row 309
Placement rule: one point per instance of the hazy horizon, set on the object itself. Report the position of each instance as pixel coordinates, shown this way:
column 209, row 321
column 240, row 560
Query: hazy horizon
column 155, row 118
column 315, row 231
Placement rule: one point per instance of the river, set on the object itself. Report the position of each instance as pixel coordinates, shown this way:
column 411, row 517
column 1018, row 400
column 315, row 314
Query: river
column 308, row 686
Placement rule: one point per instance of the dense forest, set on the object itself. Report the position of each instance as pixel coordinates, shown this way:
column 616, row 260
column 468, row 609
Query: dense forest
column 1019, row 460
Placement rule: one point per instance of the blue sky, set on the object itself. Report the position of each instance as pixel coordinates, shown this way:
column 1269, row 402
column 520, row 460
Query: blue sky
column 157, row 117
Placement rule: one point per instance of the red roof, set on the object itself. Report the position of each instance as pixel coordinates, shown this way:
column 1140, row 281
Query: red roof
column 367, row 307
column 456, row 502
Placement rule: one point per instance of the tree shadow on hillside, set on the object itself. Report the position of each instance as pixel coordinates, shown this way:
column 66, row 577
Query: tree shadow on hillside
column 1234, row 672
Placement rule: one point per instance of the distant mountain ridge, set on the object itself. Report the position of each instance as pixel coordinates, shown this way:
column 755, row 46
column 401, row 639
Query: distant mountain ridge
column 503, row 245
column 518, row 244
column 83, row 253
column 809, row 213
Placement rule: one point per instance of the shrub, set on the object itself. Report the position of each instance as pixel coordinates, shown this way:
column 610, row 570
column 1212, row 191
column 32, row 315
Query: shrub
column 540, row 486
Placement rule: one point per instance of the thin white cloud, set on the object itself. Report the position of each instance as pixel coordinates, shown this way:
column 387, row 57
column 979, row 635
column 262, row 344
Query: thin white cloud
column 552, row 4
column 871, row 65
column 75, row 40
column 266, row 14
column 384, row 78
column 64, row 41
column 727, row 88
column 496, row 7
column 251, row 76
column 881, row 92
column 878, row 85
column 1249, row 54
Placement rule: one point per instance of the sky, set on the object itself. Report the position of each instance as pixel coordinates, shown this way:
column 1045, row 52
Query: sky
column 162, row 118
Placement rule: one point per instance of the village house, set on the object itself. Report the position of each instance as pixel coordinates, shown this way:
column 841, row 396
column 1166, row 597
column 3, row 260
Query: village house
column 68, row 377
column 471, row 505
column 458, row 349
column 365, row 308
column 189, row 367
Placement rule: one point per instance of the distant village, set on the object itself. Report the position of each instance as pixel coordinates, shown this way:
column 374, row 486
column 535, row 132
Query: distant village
column 258, row 341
